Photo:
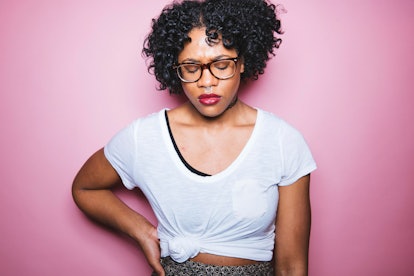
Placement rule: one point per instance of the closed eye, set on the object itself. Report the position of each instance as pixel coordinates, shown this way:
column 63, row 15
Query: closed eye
column 190, row 68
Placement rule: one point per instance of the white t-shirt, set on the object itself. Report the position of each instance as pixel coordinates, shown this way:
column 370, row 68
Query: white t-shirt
column 231, row 213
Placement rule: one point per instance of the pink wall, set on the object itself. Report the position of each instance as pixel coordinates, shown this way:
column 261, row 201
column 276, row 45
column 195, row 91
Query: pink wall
column 71, row 75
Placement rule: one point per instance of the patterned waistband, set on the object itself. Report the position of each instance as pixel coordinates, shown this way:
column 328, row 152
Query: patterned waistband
column 190, row 268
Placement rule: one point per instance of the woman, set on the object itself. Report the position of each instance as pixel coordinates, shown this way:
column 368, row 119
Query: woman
column 228, row 183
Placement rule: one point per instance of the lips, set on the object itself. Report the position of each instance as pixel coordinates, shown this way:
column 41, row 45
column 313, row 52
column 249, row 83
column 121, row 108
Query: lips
column 209, row 99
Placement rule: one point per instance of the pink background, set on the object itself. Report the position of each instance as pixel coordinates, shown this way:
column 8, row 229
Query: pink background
column 71, row 75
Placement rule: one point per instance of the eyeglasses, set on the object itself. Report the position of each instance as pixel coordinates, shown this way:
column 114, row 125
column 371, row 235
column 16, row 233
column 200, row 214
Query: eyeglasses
column 221, row 69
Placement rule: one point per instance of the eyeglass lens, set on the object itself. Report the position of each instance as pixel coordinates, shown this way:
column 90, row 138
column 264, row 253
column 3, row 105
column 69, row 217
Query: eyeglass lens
column 221, row 69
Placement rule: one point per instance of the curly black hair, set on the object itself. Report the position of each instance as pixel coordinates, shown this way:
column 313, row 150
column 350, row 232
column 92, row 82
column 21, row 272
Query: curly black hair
column 248, row 26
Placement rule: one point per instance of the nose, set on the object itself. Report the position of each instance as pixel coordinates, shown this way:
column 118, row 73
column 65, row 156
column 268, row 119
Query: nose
column 207, row 79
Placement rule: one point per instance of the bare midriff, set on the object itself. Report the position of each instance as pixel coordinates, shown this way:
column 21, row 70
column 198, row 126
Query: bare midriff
column 221, row 260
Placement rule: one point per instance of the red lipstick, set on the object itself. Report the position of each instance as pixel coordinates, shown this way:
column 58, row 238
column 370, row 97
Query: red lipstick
column 209, row 99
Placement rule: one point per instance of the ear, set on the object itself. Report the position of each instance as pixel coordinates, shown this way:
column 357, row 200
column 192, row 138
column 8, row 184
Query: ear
column 241, row 61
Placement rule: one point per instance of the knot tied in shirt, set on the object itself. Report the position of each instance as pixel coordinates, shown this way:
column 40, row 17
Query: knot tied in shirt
column 183, row 248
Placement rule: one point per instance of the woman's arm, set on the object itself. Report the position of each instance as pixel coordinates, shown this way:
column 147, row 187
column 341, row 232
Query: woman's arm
column 92, row 192
column 293, row 229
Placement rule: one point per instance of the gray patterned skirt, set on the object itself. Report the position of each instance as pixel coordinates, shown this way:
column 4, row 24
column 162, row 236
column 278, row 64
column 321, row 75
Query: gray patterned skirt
column 190, row 268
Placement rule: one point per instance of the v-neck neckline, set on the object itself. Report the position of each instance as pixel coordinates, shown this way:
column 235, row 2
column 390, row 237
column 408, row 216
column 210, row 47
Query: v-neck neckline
column 182, row 168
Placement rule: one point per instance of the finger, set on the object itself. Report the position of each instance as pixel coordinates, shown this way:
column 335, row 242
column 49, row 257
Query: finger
column 158, row 269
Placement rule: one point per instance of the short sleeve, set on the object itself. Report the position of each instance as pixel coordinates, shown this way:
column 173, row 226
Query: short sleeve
column 120, row 152
column 297, row 159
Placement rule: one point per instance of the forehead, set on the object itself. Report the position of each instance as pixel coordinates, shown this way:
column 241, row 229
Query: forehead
column 198, row 48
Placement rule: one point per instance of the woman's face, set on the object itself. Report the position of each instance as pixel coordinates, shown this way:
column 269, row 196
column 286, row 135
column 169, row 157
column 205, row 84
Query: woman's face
column 209, row 95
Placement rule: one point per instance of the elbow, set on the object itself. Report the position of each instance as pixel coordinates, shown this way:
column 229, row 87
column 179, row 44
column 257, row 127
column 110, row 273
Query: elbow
column 77, row 190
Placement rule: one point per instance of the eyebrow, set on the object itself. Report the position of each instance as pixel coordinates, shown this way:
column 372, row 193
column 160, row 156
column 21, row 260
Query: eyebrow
column 190, row 60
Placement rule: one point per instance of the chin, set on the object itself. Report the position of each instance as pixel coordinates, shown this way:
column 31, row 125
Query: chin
column 209, row 111
column 213, row 114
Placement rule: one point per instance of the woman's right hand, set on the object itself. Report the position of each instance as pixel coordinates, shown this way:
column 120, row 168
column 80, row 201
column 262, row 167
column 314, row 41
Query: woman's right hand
column 150, row 245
